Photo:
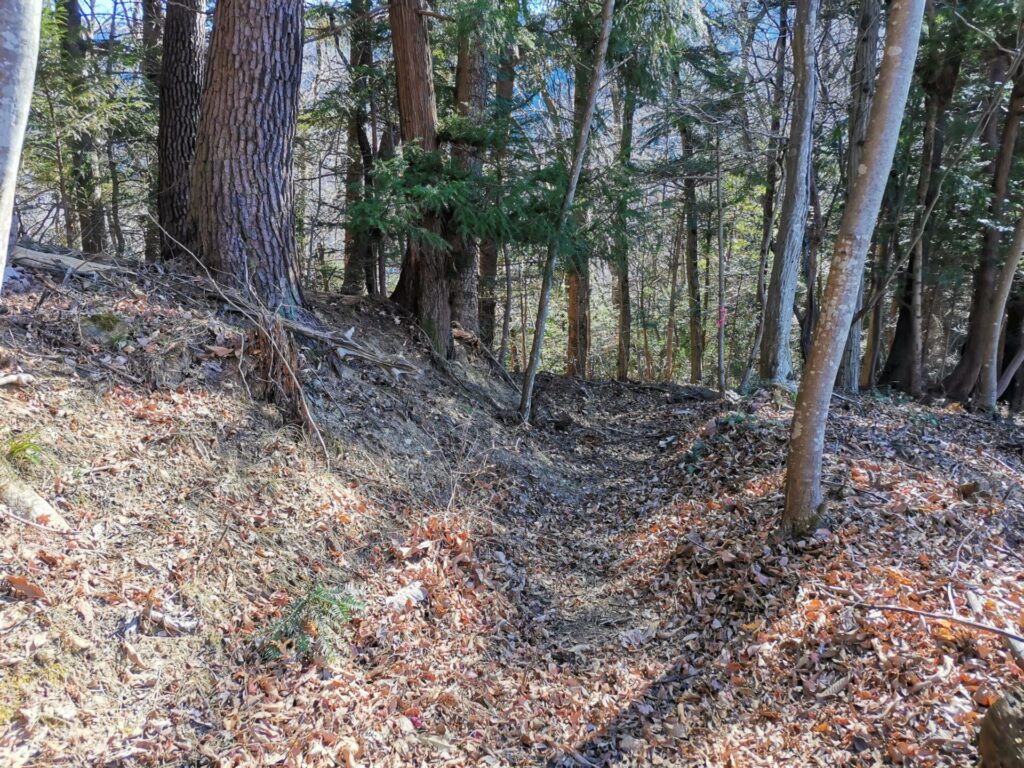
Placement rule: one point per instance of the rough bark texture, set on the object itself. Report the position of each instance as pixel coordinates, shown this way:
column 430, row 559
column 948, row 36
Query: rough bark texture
column 423, row 286
column 359, row 267
column 470, row 101
column 489, row 248
column 961, row 381
column 862, row 90
column 87, row 197
column 152, row 23
column 242, row 206
column 1001, row 738
column 19, row 47
column 181, row 89
column 776, row 365
column 577, row 279
column 577, row 286
column 807, row 442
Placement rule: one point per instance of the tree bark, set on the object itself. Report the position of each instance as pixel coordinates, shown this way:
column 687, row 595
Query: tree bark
column 768, row 196
column 181, row 90
column 423, row 285
column 19, row 48
column 360, row 270
column 470, row 102
column 862, row 90
column 696, row 317
column 242, row 205
column 152, row 24
column 807, row 441
column 579, row 152
column 673, row 299
column 620, row 258
column 87, row 196
column 988, row 382
column 962, row 380
column 504, row 88
column 776, row 365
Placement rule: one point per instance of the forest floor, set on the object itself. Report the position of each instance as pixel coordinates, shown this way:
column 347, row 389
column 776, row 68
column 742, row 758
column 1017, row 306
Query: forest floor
column 602, row 589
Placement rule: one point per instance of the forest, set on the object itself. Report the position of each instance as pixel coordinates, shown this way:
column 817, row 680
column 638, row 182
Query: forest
column 512, row 382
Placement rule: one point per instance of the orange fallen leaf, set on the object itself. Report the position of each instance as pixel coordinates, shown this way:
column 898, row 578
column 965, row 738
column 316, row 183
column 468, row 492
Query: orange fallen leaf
column 26, row 589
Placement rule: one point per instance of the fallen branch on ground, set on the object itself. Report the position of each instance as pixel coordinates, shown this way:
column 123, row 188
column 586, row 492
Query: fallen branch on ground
column 19, row 497
column 935, row 616
column 17, row 380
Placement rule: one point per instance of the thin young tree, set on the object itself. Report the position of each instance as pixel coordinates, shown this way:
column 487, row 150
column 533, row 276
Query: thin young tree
column 988, row 381
column 807, row 441
column 242, row 206
column 776, row 364
column 19, row 48
column 580, row 150
column 181, row 89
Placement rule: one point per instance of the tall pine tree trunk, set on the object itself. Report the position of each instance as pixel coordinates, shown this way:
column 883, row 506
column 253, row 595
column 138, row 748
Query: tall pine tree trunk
column 696, row 316
column 87, row 197
column 673, row 298
column 620, row 258
column 359, row 266
column 151, row 71
column 19, row 48
column 181, row 90
column 423, row 285
column 470, row 101
column 807, row 442
column 776, row 365
column 242, row 204
column 504, row 88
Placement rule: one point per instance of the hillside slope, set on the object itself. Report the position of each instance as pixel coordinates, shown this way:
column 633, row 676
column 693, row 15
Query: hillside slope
column 602, row 588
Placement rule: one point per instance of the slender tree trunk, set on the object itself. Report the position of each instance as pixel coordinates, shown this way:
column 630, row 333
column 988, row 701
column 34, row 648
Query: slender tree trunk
column 673, row 298
column 151, row 72
column 988, row 382
column 962, row 380
column 181, row 89
column 768, row 197
column 776, row 365
column 504, row 88
column 242, row 191
column 721, row 265
column 526, row 402
column 19, row 48
column 696, row 319
column 620, row 258
column 804, row 500
column 862, row 90
column 577, row 277
column 359, row 266
column 86, row 193
column 470, row 101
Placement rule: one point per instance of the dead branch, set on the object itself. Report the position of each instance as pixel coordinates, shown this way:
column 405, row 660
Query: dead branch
column 20, row 498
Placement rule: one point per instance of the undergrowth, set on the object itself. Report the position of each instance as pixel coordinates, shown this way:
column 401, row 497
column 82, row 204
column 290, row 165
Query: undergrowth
column 312, row 626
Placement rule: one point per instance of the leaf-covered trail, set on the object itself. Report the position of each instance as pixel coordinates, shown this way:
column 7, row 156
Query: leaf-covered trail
column 603, row 589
